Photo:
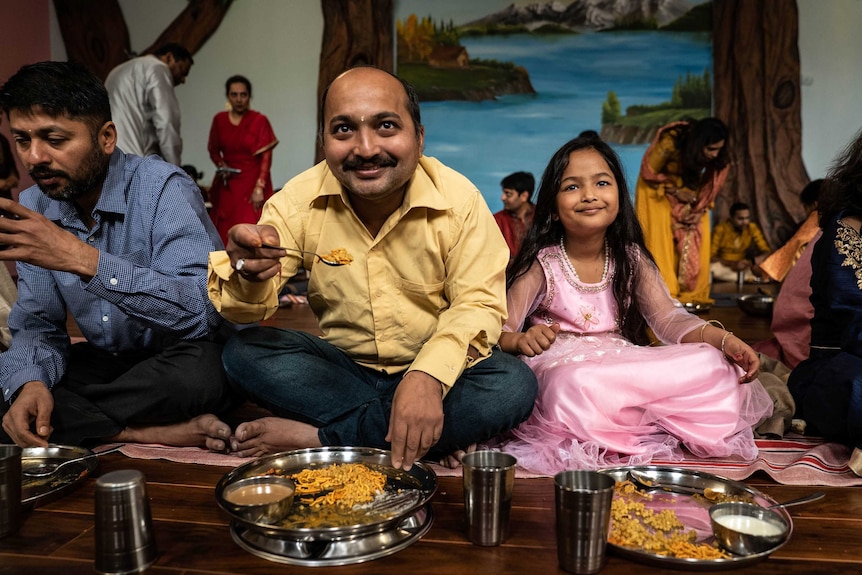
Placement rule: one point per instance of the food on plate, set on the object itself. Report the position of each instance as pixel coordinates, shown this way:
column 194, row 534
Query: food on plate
column 635, row 526
column 342, row 484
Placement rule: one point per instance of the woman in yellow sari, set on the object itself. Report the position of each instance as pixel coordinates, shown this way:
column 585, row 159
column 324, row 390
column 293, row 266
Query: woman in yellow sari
column 682, row 172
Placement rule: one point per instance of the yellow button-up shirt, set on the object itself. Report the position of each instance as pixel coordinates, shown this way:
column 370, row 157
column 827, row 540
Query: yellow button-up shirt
column 430, row 284
column 733, row 246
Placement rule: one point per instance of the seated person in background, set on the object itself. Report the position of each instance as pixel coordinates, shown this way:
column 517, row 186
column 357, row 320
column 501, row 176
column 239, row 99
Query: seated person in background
column 738, row 245
column 778, row 263
column 517, row 214
column 406, row 358
column 120, row 244
column 827, row 386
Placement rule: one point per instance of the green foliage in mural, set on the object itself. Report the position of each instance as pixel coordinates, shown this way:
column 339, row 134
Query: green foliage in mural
column 611, row 110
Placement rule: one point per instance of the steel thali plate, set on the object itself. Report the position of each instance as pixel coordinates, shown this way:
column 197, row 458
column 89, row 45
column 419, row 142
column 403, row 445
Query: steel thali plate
column 306, row 524
column 37, row 491
column 693, row 512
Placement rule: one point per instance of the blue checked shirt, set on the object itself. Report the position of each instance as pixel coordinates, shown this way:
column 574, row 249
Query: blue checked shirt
column 153, row 236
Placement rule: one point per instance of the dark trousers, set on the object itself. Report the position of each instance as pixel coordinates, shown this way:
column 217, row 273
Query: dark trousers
column 103, row 393
column 302, row 377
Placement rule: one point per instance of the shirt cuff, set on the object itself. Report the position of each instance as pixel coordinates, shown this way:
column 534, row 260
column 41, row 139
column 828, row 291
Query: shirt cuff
column 236, row 299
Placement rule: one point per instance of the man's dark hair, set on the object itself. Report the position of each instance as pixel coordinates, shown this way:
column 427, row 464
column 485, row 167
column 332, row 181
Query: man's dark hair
column 738, row 207
column 58, row 89
column 412, row 103
column 520, row 182
column 178, row 51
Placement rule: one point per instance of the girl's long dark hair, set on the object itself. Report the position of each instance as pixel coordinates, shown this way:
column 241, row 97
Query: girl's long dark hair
column 697, row 135
column 624, row 233
column 842, row 189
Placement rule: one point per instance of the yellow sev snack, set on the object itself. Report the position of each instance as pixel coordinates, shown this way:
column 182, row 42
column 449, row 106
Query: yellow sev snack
column 344, row 484
column 339, row 255
column 635, row 526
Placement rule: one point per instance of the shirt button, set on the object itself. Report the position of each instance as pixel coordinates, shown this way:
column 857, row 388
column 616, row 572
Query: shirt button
column 104, row 318
column 91, row 239
column 113, row 281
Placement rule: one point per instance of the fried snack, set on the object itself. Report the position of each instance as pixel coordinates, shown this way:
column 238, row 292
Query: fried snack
column 341, row 484
column 339, row 255
column 634, row 526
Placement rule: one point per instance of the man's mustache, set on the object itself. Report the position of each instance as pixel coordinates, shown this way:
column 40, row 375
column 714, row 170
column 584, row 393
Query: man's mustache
column 379, row 161
column 39, row 173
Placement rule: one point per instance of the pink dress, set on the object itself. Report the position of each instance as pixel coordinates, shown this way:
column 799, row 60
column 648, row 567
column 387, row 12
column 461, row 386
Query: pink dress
column 604, row 401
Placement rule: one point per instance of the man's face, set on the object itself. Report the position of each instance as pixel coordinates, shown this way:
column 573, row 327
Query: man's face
column 513, row 200
column 369, row 139
column 62, row 155
column 179, row 69
column 740, row 219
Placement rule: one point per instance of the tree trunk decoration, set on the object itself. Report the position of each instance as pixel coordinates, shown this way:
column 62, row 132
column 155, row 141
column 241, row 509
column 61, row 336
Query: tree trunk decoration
column 757, row 93
column 355, row 33
column 95, row 32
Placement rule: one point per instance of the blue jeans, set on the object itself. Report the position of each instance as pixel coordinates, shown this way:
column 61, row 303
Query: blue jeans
column 301, row 377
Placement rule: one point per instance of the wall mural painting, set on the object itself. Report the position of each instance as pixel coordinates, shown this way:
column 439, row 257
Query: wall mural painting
column 504, row 85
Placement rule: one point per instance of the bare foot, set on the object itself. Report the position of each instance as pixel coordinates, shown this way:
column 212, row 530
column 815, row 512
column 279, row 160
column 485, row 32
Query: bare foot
column 202, row 431
column 453, row 460
column 272, row 435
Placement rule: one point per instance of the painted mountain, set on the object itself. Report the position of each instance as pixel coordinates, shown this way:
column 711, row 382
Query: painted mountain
column 589, row 14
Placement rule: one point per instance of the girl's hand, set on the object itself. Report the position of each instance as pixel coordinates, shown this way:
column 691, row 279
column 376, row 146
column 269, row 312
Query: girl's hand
column 535, row 340
column 742, row 355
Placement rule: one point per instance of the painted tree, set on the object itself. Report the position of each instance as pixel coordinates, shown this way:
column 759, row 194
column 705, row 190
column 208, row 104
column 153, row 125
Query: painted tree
column 757, row 93
column 95, row 32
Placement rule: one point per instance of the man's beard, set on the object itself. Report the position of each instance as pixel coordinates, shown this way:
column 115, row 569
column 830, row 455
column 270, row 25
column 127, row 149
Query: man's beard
column 93, row 170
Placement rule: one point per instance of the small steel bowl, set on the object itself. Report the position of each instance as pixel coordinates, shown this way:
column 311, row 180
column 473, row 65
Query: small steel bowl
column 264, row 499
column 696, row 307
column 756, row 304
column 747, row 528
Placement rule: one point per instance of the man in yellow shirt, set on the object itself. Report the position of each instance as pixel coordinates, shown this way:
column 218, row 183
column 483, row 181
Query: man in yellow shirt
column 408, row 325
column 737, row 246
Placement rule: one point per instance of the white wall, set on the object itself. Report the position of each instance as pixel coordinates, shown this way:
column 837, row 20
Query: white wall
column 276, row 44
column 829, row 49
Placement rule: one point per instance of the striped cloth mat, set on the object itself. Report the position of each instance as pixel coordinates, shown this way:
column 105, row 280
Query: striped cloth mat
column 793, row 460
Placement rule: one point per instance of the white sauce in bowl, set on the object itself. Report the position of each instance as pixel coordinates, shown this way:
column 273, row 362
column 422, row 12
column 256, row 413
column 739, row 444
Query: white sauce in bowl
column 750, row 525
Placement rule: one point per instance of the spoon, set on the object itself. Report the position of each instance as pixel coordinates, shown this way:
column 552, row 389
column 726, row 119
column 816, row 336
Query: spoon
column 644, row 482
column 47, row 469
column 318, row 256
column 799, row 500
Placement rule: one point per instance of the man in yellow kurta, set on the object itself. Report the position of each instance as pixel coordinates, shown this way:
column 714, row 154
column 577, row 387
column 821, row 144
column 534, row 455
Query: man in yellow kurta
column 738, row 245
column 673, row 212
column 408, row 325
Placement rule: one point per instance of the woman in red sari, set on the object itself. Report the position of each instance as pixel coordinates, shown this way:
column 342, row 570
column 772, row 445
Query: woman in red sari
column 240, row 145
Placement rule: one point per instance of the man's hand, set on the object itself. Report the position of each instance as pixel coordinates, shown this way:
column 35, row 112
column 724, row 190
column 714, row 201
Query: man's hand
column 30, row 237
column 34, row 402
column 416, row 421
column 244, row 243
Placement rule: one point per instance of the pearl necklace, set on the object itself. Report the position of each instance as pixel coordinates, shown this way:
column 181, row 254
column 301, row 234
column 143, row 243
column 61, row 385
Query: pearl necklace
column 578, row 284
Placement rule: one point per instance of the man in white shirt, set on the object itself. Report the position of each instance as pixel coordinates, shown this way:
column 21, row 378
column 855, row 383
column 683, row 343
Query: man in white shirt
column 144, row 106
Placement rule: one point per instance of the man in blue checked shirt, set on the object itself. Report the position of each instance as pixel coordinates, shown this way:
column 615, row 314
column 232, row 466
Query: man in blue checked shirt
column 120, row 243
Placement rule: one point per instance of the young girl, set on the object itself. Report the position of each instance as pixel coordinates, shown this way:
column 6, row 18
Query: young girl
column 585, row 289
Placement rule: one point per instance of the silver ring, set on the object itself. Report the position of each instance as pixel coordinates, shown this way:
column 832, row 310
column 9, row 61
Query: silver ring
column 240, row 263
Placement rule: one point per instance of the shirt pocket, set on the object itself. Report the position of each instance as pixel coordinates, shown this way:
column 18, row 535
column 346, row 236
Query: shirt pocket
column 419, row 305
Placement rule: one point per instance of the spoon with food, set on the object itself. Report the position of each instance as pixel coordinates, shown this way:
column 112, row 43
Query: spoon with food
column 336, row 257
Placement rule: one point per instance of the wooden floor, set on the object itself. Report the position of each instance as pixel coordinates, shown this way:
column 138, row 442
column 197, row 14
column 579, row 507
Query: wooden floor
column 194, row 538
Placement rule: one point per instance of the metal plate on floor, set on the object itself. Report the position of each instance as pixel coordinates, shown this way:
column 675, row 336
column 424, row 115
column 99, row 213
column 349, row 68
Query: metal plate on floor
column 338, row 552
column 690, row 494
column 37, row 491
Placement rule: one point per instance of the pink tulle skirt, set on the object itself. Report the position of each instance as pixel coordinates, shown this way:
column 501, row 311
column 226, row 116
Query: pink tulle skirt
column 606, row 402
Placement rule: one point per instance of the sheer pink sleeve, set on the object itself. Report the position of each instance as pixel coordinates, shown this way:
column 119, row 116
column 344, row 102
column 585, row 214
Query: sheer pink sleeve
column 524, row 297
column 666, row 317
